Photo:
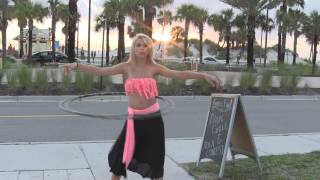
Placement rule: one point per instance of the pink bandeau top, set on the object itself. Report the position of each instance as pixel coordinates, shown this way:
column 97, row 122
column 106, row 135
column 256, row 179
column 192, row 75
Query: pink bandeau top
column 146, row 87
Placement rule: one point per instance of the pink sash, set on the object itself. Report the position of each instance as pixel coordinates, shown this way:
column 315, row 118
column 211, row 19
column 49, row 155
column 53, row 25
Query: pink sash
column 129, row 145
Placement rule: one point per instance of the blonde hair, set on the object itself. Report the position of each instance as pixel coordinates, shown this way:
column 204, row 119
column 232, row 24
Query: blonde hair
column 146, row 40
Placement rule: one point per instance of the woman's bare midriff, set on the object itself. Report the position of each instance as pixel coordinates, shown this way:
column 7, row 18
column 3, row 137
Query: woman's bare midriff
column 139, row 102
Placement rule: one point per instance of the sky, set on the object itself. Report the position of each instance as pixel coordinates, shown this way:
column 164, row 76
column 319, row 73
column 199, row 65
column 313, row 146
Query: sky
column 212, row 6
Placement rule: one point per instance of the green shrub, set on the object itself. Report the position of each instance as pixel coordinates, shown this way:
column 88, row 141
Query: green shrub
column 175, row 66
column 202, row 86
column 174, row 86
column 41, row 80
column 247, row 80
column 266, row 81
column 66, row 82
column 53, row 74
column 84, row 81
column 24, row 74
column 175, row 51
column 12, row 79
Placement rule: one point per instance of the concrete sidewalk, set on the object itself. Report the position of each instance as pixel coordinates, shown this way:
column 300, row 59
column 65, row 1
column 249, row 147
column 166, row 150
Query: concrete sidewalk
column 88, row 160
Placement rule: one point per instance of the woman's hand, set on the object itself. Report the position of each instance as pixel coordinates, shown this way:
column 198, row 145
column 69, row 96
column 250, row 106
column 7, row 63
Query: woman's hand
column 212, row 80
column 67, row 68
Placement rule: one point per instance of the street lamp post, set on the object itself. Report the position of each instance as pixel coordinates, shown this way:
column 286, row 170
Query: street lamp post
column 104, row 20
column 88, row 60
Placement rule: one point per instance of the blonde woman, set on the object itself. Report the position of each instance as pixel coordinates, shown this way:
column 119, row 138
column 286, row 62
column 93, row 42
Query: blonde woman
column 140, row 146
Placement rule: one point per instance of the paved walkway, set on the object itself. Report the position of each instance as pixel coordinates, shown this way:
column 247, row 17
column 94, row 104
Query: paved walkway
column 88, row 160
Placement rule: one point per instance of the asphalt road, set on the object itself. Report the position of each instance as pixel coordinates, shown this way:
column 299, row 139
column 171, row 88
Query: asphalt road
column 39, row 119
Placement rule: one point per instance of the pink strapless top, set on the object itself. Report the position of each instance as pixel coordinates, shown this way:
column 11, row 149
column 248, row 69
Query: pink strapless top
column 146, row 87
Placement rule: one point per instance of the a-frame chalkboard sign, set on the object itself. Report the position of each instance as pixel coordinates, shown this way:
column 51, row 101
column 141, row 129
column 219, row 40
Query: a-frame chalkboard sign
column 227, row 127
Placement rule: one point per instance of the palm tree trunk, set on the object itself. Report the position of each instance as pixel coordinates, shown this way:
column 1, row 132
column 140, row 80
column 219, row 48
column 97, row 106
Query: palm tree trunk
column 283, row 34
column 295, row 48
column 266, row 42
column 149, row 14
column 53, row 34
column 121, row 45
column 21, row 42
column 261, row 50
column 315, row 41
column 72, row 29
column 228, row 49
column 201, row 39
column 283, row 46
column 251, row 35
column 30, row 38
column 4, row 28
column 186, row 27
column 279, row 43
column 108, row 46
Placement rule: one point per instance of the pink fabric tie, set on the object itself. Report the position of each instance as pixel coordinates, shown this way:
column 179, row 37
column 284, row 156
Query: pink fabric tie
column 129, row 145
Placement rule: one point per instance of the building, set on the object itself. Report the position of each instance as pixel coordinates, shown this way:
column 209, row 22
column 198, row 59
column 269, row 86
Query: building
column 41, row 40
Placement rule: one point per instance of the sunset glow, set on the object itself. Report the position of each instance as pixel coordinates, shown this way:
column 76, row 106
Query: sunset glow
column 165, row 37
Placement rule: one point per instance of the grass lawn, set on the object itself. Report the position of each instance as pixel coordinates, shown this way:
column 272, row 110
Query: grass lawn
column 275, row 167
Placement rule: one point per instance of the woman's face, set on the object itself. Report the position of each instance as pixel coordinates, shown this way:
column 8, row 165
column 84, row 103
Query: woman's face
column 141, row 50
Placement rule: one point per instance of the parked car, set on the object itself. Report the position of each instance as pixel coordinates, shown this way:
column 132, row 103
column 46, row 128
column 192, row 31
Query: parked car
column 212, row 60
column 43, row 57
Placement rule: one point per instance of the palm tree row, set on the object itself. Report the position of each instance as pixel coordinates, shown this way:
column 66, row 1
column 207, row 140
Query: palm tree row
column 231, row 28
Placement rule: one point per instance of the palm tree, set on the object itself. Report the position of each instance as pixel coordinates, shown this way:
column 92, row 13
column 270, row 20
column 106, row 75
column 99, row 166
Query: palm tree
column 295, row 27
column 37, row 12
column 252, row 8
column 19, row 14
column 240, row 22
column 54, row 4
column 311, row 29
column 63, row 15
column 216, row 21
column 200, row 17
column 121, row 8
column 150, row 12
column 73, row 19
column 267, row 25
column 282, row 31
column 110, row 21
column 165, row 17
column 185, row 12
column 223, row 23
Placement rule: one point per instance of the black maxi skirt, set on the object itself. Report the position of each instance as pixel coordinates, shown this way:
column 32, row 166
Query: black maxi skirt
column 149, row 154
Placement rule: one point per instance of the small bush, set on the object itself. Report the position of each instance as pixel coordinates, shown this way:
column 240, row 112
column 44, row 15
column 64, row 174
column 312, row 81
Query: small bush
column 247, row 81
column 84, row 81
column 66, row 82
column 24, row 74
column 202, row 86
column 41, row 80
column 54, row 78
column 12, row 79
column 266, row 81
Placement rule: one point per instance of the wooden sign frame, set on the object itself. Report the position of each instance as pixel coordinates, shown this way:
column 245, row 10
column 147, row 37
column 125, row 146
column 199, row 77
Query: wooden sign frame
column 239, row 139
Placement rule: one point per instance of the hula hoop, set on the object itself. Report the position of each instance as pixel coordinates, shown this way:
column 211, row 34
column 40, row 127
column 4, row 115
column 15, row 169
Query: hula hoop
column 65, row 106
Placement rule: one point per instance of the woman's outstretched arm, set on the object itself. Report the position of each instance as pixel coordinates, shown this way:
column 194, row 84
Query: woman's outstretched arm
column 99, row 71
column 164, row 71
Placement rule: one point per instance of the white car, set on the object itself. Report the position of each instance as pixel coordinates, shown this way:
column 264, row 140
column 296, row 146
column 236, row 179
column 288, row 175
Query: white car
column 212, row 60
